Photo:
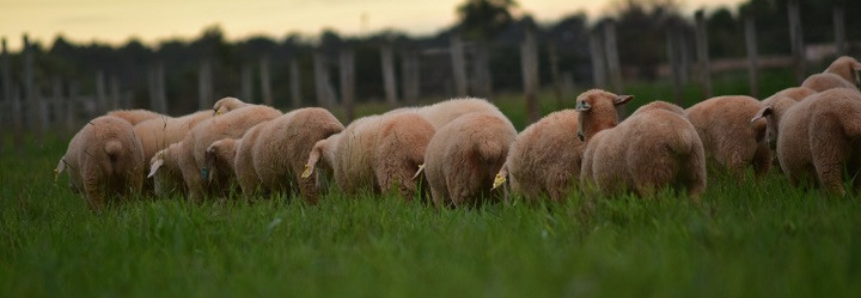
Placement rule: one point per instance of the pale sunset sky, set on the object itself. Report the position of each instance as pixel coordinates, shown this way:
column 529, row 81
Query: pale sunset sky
column 117, row 21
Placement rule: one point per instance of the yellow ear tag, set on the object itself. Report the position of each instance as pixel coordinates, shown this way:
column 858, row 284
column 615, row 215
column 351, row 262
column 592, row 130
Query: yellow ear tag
column 499, row 180
column 218, row 113
column 307, row 172
column 56, row 175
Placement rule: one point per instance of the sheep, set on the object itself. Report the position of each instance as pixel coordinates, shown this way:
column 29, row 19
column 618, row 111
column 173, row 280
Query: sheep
column 229, row 125
column 654, row 148
column 846, row 67
column 165, row 170
column 381, row 151
column 444, row 112
column 795, row 93
column 464, row 155
column 134, row 116
column 158, row 133
column 220, row 159
column 728, row 136
column 816, row 138
column 227, row 104
column 824, row 81
column 105, row 160
column 545, row 158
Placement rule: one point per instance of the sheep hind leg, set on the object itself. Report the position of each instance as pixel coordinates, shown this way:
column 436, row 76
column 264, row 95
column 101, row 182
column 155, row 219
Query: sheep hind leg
column 762, row 161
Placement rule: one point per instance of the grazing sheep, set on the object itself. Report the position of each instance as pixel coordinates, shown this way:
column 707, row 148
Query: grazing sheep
column 228, row 104
column 159, row 133
column 795, row 93
column 105, row 161
column 380, row 151
column 221, row 159
column 824, row 81
column 846, row 67
column 654, row 148
column 728, row 135
column 819, row 136
column 134, row 116
column 464, row 155
column 229, row 125
column 165, row 170
column 443, row 112
column 545, row 158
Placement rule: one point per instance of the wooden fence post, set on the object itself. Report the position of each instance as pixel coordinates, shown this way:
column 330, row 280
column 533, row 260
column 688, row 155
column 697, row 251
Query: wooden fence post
column 674, row 56
column 796, row 37
column 554, row 73
column 265, row 82
column 483, row 82
column 529, row 67
column 29, row 84
column 703, row 54
column 204, row 85
column 388, row 65
column 599, row 62
column 57, row 103
column 7, row 93
column 613, row 64
column 115, row 94
column 411, row 76
column 72, row 103
column 752, row 55
column 348, row 81
column 101, row 93
column 458, row 65
column 295, row 84
column 158, row 94
column 839, row 30
column 246, row 83
column 321, row 79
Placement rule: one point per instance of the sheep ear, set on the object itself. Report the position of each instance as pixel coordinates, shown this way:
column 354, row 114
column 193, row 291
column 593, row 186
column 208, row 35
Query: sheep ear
column 622, row 99
column 764, row 112
column 313, row 157
column 419, row 171
column 582, row 106
column 60, row 166
column 856, row 66
column 154, row 167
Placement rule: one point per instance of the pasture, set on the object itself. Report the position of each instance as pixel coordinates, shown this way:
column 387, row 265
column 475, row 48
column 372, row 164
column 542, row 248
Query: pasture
column 745, row 239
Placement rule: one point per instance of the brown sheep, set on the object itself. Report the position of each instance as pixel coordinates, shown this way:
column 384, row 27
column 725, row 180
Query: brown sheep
column 655, row 147
column 729, row 137
column 846, row 67
column 545, row 158
column 824, row 81
column 463, row 157
column 229, row 125
column 105, row 161
column 818, row 137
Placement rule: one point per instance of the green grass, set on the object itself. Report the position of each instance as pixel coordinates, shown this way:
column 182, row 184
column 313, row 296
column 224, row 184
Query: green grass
column 745, row 240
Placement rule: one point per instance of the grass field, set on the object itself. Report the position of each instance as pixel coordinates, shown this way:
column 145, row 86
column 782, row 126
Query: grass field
column 745, row 240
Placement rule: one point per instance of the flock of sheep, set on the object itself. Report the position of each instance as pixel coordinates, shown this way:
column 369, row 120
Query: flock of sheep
column 465, row 149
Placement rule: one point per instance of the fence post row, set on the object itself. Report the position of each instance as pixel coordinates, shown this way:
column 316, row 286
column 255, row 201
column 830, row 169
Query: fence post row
column 321, row 79
column 839, row 30
column 411, row 79
column 204, row 84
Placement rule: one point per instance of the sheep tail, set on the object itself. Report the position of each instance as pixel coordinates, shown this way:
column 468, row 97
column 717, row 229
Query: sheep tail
column 114, row 148
column 490, row 150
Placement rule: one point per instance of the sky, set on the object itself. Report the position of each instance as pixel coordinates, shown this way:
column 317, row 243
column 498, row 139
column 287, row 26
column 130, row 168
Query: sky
column 117, row 21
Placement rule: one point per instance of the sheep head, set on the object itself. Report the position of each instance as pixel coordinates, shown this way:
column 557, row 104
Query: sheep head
column 227, row 104
column 597, row 111
column 846, row 67
column 221, row 152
